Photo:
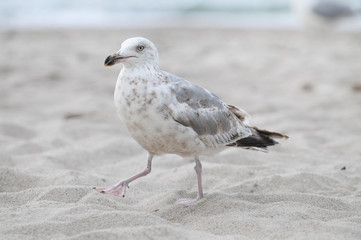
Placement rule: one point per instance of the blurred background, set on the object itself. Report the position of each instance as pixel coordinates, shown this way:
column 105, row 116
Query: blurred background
column 158, row 13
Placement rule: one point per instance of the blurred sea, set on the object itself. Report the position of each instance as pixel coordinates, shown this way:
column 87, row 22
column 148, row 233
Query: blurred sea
column 145, row 13
column 128, row 13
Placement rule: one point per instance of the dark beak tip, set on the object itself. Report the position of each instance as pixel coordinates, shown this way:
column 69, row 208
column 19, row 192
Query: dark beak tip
column 108, row 61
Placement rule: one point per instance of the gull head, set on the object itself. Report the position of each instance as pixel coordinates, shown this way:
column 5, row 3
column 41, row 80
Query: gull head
column 134, row 52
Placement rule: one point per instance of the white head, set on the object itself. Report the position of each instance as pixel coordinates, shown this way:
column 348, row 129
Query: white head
column 135, row 52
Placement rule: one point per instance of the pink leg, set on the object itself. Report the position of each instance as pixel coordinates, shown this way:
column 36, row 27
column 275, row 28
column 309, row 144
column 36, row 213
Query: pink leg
column 198, row 169
column 119, row 188
column 187, row 201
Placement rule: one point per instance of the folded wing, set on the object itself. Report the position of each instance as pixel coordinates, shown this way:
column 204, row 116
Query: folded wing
column 214, row 121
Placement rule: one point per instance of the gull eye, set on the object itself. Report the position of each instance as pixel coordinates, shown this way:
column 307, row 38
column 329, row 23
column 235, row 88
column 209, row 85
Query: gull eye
column 140, row 48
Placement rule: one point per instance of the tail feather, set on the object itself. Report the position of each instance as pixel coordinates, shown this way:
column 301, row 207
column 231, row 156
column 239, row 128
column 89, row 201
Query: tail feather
column 259, row 140
column 271, row 134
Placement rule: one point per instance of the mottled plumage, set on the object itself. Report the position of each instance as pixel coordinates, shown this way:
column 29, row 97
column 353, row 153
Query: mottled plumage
column 204, row 112
column 167, row 114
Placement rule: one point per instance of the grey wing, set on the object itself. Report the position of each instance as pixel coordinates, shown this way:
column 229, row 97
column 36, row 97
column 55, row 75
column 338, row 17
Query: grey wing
column 205, row 113
column 332, row 9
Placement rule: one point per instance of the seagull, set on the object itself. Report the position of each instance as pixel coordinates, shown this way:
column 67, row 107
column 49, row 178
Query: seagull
column 166, row 114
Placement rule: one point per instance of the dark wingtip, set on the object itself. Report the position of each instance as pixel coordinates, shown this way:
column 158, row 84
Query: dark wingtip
column 260, row 139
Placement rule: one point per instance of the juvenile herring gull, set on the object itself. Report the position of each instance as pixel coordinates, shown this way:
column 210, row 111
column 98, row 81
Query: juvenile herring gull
column 167, row 114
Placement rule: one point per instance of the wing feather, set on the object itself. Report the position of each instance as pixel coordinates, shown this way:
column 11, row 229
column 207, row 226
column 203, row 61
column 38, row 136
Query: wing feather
column 241, row 114
column 211, row 118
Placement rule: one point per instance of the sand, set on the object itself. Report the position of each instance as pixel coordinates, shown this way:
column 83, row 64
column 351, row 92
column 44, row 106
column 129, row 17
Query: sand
column 60, row 136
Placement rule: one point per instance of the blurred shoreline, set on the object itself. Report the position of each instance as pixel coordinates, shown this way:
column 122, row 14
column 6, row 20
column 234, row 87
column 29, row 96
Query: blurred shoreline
column 279, row 23
column 66, row 14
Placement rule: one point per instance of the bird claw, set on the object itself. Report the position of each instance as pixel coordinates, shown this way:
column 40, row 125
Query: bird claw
column 116, row 190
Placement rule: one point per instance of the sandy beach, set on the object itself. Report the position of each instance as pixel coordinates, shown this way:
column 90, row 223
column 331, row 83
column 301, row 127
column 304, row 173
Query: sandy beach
column 60, row 137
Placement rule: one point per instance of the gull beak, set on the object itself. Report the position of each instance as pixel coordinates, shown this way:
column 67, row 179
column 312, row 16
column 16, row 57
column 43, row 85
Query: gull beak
column 112, row 59
column 115, row 58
